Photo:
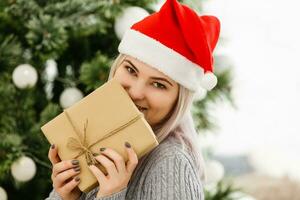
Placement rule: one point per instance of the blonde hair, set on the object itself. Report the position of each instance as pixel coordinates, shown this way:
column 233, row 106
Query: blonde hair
column 178, row 122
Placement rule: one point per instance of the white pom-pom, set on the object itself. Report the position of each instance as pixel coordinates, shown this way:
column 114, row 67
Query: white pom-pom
column 209, row 81
column 130, row 16
column 200, row 94
column 24, row 76
column 23, row 169
column 70, row 96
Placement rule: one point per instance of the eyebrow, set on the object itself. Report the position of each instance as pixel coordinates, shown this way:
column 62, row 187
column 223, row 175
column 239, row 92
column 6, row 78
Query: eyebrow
column 152, row 77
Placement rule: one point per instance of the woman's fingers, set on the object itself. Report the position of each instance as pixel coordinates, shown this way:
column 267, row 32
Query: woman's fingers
column 68, row 187
column 116, row 158
column 100, row 176
column 64, row 165
column 108, row 164
column 62, row 177
column 132, row 158
column 52, row 155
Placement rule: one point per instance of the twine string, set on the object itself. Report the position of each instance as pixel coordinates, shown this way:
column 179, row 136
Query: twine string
column 82, row 145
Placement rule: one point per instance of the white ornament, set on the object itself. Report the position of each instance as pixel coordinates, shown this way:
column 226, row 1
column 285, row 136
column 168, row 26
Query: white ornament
column 24, row 76
column 51, row 70
column 214, row 170
column 208, row 81
column 3, row 194
column 70, row 96
column 49, row 90
column 128, row 17
column 23, row 169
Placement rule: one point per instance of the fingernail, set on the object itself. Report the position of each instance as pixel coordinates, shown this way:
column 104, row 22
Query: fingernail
column 127, row 145
column 75, row 162
column 96, row 154
column 77, row 169
column 52, row 146
column 102, row 149
column 77, row 179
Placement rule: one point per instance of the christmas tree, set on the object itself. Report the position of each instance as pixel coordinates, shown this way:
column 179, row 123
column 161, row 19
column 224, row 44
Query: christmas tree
column 52, row 54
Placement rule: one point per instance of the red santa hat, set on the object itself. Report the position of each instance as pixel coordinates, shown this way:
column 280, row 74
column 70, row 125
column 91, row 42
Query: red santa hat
column 177, row 42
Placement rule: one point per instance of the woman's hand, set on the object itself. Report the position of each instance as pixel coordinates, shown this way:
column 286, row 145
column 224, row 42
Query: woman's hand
column 64, row 176
column 119, row 172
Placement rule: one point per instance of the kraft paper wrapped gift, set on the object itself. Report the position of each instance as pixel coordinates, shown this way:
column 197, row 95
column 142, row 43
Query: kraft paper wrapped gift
column 107, row 117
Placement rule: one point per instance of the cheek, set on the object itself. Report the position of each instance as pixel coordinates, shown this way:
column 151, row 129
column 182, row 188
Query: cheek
column 161, row 103
column 122, row 77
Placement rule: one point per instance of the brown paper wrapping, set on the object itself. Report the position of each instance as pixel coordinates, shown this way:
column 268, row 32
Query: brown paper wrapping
column 106, row 110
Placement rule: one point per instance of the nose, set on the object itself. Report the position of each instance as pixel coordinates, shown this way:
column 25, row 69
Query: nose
column 136, row 91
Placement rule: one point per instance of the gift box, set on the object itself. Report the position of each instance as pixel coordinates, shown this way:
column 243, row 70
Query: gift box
column 107, row 117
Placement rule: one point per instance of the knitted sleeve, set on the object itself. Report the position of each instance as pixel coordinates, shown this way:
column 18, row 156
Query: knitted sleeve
column 53, row 196
column 116, row 196
column 173, row 177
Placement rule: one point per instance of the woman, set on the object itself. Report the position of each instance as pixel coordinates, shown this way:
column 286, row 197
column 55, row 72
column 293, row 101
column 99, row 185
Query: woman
column 164, row 60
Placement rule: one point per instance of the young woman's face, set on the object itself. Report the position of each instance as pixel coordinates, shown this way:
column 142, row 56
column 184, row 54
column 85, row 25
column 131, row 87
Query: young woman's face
column 152, row 92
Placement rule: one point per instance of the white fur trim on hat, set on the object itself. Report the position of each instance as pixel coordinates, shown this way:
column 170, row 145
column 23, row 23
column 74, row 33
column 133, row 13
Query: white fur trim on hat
column 161, row 57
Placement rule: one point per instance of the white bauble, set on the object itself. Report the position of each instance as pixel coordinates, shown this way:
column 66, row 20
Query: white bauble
column 214, row 170
column 3, row 194
column 70, row 96
column 51, row 70
column 24, row 76
column 128, row 17
column 23, row 169
column 49, row 90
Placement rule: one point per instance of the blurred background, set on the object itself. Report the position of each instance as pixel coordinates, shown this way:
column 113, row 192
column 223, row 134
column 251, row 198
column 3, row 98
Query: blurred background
column 259, row 141
column 55, row 52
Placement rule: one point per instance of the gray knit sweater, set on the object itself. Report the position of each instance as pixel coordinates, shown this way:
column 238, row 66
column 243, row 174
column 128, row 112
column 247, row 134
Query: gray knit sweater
column 167, row 172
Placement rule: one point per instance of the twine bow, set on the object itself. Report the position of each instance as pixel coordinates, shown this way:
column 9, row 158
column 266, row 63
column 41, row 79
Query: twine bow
column 82, row 145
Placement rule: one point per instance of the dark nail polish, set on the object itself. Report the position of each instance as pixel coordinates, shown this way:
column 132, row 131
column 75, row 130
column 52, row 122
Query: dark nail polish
column 77, row 179
column 102, row 149
column 52, row 146
column 77, row 169
column 127, row 145
column 96, row 154
column 75, row 162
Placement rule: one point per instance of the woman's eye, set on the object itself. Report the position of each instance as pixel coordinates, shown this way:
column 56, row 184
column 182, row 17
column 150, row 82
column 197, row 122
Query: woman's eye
column 159, row 85
column 129, row 69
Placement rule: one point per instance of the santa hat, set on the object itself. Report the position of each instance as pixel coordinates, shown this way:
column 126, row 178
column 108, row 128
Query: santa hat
column 177, row 42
